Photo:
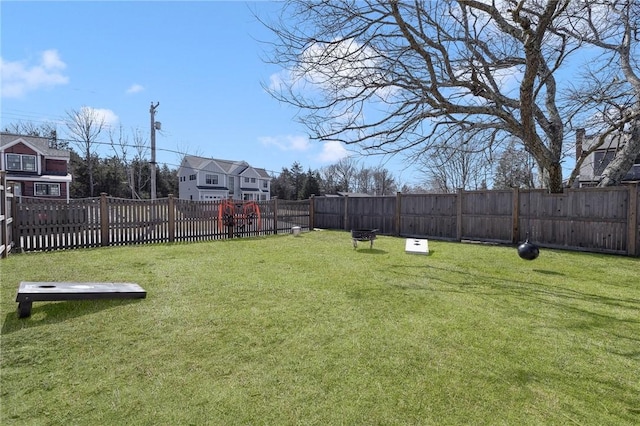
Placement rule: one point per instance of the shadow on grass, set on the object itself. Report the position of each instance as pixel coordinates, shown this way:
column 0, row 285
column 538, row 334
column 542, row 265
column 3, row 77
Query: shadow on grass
column 491, row 286
column 371, row 251
column 542, row 271
column 44, row 313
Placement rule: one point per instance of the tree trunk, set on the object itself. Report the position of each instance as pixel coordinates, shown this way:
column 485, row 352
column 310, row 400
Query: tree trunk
column 624, row 159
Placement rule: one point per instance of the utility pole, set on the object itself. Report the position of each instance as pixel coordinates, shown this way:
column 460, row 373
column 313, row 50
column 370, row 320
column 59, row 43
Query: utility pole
column 152, row 110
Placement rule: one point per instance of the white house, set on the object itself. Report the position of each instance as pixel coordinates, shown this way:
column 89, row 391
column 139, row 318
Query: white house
column 205, row 179
column 593, row 166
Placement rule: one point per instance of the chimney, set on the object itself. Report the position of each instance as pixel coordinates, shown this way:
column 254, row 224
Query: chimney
column 579, row 141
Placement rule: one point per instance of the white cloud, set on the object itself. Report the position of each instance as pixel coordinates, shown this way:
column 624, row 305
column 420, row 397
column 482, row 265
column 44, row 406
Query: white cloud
column 348, row 62
column 135, row 88
column 20, row 77
column 343, row 68
column 287, row 142
column 277, row 80
column 51, row 60
column 105, row 115
column 333, row 151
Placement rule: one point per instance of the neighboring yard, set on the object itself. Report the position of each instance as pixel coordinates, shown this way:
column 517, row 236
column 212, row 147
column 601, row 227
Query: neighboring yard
column 286, row 330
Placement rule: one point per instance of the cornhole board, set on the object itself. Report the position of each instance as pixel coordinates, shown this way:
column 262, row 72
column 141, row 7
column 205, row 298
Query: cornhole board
column 416, row 246
column 30, row 292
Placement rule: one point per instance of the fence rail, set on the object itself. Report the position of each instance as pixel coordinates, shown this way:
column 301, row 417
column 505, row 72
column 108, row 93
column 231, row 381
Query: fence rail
column 601, row 220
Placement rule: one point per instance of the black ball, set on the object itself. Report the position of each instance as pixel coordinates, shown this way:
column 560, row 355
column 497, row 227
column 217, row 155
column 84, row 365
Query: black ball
column 528, row 251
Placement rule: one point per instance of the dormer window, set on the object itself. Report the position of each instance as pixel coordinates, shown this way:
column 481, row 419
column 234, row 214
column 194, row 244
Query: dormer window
column 21, row 162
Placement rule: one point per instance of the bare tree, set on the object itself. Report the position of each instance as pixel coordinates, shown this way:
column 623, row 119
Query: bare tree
column 411, row 76
column 85, row 126
column 139, row 168
column 44, row 130
column 345, row 171
column 121, row 144
column 364, row 181
column 414, row 189
column 394, row 76
column 611, row 82
column 29, row 128
column 329, row 180
column 514, row 169
column 463, row 164
column 374, row 181
column 383, row 181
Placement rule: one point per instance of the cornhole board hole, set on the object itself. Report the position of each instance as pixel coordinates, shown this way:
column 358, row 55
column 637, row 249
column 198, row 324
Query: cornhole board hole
column 30, row 292
column 416, row 246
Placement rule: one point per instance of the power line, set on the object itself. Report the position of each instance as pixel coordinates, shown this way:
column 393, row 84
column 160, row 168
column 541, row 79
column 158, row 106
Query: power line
column 61, row 120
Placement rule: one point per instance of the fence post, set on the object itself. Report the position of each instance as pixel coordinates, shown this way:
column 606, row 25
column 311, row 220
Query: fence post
column 4, row 217
column 459, row 214
column 346, row 212
column 515, row 215
column 632, row 221
column 397, row 218
column 172, row 219
column 275, row 215
column 312, row 207
column 104, row 220
column 17, row 241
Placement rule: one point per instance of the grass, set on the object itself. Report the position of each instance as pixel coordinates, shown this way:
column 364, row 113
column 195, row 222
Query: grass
column 306, row 330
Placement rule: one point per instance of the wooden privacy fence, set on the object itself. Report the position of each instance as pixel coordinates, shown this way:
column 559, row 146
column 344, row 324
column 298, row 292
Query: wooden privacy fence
column 592, row 219
column 601, row 220
column 106, row 221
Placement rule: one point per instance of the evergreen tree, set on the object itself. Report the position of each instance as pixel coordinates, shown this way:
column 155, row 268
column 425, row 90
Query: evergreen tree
column 281, row 186
column 79, row 187
column 311, row 185
column 167, row 182
column 297, row 180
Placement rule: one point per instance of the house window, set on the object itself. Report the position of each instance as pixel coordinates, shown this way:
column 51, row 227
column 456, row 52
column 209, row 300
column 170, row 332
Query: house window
column 47, row 189
column 265, row 184
column 21, row 162
column 231, row 184
column 246, row 180
column 601, row 161
column 192, row 177
column 253, row 180
column 211, row 179
column 16, row 188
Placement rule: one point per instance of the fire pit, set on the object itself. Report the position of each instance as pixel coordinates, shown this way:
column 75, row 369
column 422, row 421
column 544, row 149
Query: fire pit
column 363, row 235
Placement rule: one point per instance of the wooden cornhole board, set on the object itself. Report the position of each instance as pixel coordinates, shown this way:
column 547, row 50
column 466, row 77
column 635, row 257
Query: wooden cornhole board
column 30, row 292
column 416, row 246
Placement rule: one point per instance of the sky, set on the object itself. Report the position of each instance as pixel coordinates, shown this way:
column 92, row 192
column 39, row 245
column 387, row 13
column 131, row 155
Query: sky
column 202, row 61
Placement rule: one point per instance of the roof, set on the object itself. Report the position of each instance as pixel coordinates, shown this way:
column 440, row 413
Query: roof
column 611, row 141
column 227, row 166
column 37, row 143
column 352, row 194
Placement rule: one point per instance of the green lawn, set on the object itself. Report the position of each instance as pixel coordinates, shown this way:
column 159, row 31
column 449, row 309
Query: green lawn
column 288, row 330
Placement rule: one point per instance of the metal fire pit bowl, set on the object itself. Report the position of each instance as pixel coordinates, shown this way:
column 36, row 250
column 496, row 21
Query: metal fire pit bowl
column 363, row 235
